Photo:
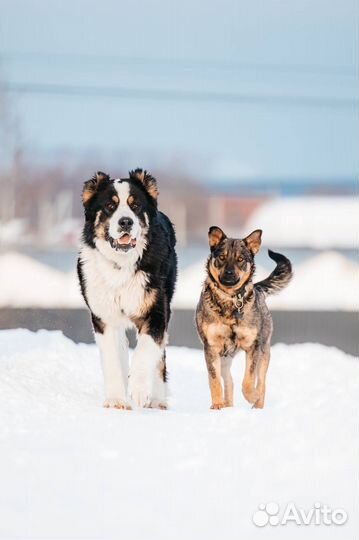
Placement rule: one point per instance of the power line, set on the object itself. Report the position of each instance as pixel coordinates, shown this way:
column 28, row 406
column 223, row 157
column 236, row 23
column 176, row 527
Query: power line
column 181, row 95
column 175, row 63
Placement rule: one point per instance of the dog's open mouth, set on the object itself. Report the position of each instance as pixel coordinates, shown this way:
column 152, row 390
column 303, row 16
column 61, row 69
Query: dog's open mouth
column 229, row 282
column 124, row 243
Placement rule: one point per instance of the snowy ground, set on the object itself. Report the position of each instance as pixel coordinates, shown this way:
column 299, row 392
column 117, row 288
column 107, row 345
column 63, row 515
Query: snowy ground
column 70, row 469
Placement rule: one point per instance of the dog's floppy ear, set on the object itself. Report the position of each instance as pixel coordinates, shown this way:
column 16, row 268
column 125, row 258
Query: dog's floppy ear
column 253, row 241
column 91, row 186
column 215, row 237
column 147, row 180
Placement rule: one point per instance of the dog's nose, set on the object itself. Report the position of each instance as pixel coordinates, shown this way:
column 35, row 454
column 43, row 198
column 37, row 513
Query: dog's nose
column 125, row 223
column 229, row 272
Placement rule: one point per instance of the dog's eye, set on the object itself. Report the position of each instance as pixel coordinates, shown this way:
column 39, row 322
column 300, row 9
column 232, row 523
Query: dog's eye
column 110, row 206
column 221, row 257
column 135, row 206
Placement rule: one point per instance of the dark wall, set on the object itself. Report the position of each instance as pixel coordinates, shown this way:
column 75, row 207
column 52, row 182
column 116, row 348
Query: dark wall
column 338, row 329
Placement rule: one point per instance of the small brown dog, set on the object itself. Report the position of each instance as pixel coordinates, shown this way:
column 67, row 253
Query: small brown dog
column 232, row 314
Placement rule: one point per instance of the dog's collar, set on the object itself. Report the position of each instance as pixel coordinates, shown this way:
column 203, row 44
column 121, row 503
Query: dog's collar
column 239, row 297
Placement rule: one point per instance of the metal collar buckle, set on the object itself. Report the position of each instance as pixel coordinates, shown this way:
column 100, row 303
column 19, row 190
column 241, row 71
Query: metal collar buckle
column 239, row 302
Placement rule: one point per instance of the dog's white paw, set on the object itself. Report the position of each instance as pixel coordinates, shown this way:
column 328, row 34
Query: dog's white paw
column 140, row 391
column 116, row 403
column 157, row 404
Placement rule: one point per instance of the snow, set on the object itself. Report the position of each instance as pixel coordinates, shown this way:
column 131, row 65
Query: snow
column 324, row 282
column 13, row 231
column 70, row 469
column 26, row 282
column 327, row 281
column 317, row 222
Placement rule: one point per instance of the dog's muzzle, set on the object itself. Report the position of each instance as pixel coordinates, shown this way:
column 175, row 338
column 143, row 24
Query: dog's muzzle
column 229, row 278
column 229, row 282
column 124, row 243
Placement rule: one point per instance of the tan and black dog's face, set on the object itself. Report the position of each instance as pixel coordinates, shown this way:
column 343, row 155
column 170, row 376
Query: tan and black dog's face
column 232, row 260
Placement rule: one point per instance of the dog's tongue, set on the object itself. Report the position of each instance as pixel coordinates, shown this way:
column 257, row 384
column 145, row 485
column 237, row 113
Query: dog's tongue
column 125, row 239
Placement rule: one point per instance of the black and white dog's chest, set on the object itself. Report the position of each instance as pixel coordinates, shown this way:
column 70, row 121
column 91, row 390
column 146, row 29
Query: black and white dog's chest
column 112, row 292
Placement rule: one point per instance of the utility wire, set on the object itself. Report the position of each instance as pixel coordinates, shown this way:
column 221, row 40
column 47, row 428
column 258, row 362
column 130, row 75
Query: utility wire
column 174, row 63
column 181, row 95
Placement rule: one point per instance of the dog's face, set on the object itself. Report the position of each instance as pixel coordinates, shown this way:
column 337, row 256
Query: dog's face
column 120, row 210
column 232, row 260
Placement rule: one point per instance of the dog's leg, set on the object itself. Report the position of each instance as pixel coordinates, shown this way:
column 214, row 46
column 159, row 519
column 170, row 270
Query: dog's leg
column 213, row 360
column 113, row 347
column 145, row 367
column 261, row 383
column 159, row 397
column 248, row 386
column 227, row 381
column 147, row 374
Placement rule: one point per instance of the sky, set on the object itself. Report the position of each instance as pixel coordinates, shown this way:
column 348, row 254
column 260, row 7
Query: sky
column 233, row 88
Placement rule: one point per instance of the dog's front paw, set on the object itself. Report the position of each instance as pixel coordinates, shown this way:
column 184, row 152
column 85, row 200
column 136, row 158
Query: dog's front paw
column 251, row 394
column 217, row 406
column 116, row 403
column 259, row 404
column 157, row 404
column 140, row 391
column 228, row 403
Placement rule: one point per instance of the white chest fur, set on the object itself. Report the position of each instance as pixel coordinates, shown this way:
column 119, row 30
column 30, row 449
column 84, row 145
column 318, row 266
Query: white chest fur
column 114, row 292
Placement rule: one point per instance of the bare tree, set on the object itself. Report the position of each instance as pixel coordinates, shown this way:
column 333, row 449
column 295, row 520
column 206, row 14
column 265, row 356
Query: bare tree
column 10, row 155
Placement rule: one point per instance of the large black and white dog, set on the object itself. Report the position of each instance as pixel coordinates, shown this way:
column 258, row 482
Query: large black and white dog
column 127, row 269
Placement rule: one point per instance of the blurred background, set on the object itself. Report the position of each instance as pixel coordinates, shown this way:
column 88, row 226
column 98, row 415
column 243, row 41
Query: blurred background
column 247, row 114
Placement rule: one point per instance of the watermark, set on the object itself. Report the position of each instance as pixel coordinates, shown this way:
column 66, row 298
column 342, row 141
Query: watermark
column 319, row 514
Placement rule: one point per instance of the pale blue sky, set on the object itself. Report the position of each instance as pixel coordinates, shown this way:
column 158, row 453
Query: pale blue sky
column 295, row 48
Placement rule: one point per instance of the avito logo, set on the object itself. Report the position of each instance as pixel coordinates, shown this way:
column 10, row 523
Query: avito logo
column 318, row 514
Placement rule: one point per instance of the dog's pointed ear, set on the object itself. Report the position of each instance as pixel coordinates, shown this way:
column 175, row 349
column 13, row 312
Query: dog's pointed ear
column 253, row 241
column 148, row 181
column 215, row 237
column 91, row 186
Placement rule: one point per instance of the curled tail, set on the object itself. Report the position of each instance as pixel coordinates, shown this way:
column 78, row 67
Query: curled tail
column 279, row 278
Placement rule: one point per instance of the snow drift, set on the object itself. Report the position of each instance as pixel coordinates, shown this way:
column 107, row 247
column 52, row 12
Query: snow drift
column 72, row 470
column 316, row 222
column 26, row 282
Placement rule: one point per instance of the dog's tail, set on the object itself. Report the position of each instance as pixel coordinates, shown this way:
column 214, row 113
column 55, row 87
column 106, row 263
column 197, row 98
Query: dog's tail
column 279, row 278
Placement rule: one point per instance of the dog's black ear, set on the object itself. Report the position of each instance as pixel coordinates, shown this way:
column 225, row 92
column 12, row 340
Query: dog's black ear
column 91, row 186
column 215, row 237
column 254, row 240
column 147, row 180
